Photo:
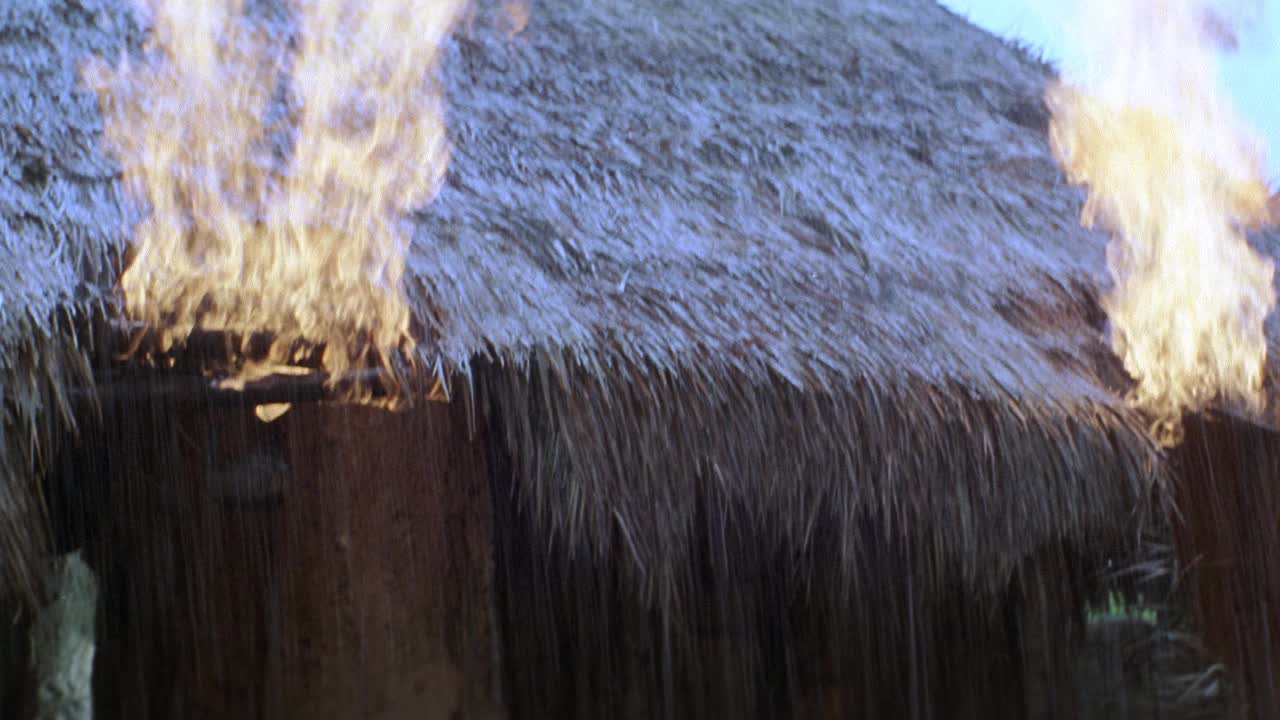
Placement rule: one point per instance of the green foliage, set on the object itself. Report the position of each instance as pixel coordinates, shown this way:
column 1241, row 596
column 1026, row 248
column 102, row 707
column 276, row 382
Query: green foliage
column 1120, row 608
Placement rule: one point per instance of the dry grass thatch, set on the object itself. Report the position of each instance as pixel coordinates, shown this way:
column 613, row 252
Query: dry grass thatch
column 805, row 258
column 60, row 215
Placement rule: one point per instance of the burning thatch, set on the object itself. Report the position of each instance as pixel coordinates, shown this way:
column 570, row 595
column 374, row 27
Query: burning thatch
column 1177, row 179
column 820, row 279
column 692, row 251
column 808, row 264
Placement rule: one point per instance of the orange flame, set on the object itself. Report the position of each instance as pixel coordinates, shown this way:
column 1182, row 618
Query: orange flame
column 289, row 227
column 1175, row 177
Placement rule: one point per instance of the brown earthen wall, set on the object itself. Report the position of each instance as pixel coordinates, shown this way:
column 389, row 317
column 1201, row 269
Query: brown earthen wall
column 336, row 563
column 1228, row 497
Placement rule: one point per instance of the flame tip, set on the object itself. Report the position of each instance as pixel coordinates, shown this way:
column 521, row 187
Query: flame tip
column 252, row 228
column 1177, row 180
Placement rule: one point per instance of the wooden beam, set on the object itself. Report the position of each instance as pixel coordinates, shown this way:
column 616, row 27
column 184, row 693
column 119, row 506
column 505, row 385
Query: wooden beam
column 130, row 384
column 133, row 365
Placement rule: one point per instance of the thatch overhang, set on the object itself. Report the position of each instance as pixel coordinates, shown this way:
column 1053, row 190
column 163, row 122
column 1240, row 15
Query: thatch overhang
column 802, row 259
column 60, row 222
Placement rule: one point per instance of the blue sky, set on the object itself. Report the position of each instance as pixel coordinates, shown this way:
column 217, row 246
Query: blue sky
column 1251, row 74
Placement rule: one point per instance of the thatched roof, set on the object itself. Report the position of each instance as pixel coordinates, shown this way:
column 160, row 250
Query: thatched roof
column 801, row 259
column 59, row 218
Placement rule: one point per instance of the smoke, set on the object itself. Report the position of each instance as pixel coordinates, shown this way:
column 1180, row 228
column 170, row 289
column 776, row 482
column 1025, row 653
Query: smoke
column 1235, row 25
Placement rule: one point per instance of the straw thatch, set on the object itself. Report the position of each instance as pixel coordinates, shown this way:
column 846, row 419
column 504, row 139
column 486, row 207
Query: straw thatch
column 795, row 258
column 59, row 217
column 823, row 243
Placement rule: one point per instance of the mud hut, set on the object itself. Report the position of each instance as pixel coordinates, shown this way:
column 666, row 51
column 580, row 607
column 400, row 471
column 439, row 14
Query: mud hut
column 777, row 387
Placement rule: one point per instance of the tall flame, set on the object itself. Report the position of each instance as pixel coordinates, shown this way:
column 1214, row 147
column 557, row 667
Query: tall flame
column 1176, row 178
column 287, row 225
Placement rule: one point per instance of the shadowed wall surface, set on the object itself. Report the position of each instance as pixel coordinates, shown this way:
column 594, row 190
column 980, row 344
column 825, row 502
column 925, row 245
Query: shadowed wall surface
column 1230, row 532
column 333, row 564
